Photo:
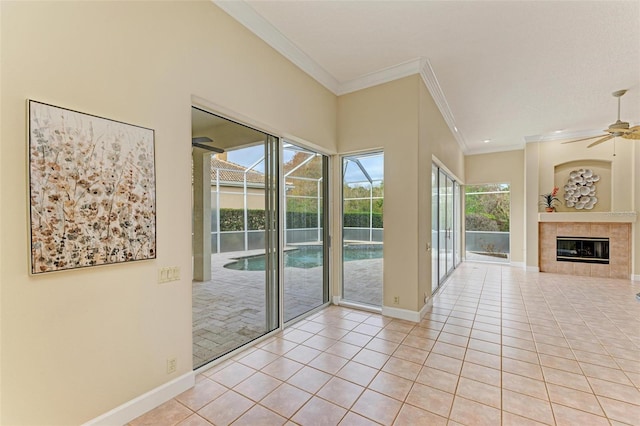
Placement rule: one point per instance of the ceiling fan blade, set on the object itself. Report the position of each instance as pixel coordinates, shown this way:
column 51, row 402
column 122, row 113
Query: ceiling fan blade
column 583, row 139
column 634, row 135
column 599, row 141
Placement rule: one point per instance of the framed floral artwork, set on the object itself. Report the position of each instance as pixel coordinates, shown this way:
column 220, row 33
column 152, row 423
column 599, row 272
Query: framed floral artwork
column 91, row 190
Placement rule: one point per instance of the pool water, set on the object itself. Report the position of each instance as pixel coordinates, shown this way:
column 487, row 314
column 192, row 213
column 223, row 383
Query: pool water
column 308, row 257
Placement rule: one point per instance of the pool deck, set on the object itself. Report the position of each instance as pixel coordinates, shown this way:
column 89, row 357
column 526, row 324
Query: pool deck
column 229, row 310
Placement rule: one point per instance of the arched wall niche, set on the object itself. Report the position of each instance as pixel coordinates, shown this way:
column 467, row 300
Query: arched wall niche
column 602, row 168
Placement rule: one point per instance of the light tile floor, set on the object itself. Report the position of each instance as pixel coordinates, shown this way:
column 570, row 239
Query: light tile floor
column 500, row 346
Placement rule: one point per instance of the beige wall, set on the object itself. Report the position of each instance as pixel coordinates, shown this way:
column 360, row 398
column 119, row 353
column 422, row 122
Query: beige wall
column 76, row 344
column 401, row 118
column 503, row 167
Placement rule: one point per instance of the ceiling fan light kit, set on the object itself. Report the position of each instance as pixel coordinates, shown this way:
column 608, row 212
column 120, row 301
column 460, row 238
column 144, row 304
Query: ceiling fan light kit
column 619, row 129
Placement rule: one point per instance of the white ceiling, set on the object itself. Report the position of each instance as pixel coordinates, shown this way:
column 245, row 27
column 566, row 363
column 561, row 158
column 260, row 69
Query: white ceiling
column 509, row 71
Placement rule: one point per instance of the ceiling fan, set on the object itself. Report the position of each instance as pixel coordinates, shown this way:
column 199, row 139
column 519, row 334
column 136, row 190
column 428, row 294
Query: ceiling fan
column 617, row 129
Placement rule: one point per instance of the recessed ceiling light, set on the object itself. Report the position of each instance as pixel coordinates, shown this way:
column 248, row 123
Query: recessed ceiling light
column 455, row 128
column 486, row 140
column 558, row 131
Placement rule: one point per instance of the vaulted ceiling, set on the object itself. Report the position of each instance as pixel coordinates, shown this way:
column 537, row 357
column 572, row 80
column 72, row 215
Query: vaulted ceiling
column 503, row 71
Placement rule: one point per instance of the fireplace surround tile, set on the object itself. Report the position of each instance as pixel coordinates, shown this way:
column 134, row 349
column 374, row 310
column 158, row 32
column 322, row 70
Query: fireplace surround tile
column 619, row 235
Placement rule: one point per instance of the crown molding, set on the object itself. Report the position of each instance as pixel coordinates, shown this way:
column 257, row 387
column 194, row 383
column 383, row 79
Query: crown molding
column 431, row 81
column 558, row 136
column 254, row 22
column 384, row 75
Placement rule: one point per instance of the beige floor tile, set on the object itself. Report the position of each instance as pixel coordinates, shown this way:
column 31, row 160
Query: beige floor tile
column 391, row 385
column 282, row 368
column 257, row 386
column 617, row 391
column 621, row 411
column 258, row 359
column 484, row 346
column 522, row 368
column 403, row 368
column 438, row 379
column 520, row 354
column 383, row 346
column 447, row 349
column 286, row 400
column 260, row 416
column 357, row 339
column 194, row 420
column 453, row 339
column 371, row 358
column 377, row 407
column 410, row 353
column 225, row 409
column 510, row 419
column 430, row 399
column 480, row 373
column 169, row 413
column 328, row 363
column 566, row 416
column 418, row 342
column 232, row 374
column 524, row 385
column 344, row 350
column 479, row 392
column 341, row 392
column 302, row 354
column 604, row 373
column 482, row 358
column 527, row 406
column 392, row 335
column 320, row 343
column 357, row 373
column 467, row 412
column 201, row 394
column 353, row 419
column 585, row 401
column 414, row 416
column 279, row 346
column 309, row 379
column 560, row 363
column 445, row 363
column 317, row 411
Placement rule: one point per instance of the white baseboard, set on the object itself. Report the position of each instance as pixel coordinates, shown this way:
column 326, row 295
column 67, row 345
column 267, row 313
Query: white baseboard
column 635, row 277
column 336, row 300
column 403, row 314
column 521, row 265
column 533, row 269
column 138, row 406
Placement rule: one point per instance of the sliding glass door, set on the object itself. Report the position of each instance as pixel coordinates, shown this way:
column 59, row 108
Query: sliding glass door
column 362, row 228
column 306, row 252
column 235, row 294
column 445, row 225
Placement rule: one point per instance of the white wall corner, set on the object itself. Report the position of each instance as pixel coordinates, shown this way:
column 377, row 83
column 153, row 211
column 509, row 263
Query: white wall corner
column 138, row 406
column 336, row 300
column 403, row 314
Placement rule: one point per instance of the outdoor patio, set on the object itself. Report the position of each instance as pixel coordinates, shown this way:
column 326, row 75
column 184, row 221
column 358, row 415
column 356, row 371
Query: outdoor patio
column 229, row 310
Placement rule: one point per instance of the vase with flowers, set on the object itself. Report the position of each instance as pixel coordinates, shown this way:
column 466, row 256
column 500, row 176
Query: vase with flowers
column 550, row 201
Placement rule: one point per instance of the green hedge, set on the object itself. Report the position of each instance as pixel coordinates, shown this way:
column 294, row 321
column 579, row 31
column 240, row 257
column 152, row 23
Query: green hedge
column 233, row 220
column 361, row 220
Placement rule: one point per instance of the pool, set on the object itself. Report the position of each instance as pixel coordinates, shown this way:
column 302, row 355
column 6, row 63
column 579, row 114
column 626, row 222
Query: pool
column 306, row 257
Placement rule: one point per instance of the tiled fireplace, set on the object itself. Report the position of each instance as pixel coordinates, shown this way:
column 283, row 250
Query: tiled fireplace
column 617, row 235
